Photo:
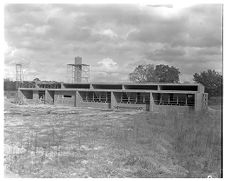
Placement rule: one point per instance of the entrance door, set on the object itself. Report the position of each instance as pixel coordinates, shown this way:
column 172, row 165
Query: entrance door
column 41, row 96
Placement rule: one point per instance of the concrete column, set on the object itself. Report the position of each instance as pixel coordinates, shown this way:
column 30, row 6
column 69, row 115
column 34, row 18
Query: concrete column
column 20, row 97
column 151, row 108
column 78, row 99
column 86, row 96
column 48, row 97
column 113, row 100
column 75, row 98
column 35, row 96
column 198, row 101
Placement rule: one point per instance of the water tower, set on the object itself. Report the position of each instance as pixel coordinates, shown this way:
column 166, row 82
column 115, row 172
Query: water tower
column 78, row 72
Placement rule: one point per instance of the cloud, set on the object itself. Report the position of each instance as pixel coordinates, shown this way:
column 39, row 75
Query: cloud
column 195, row 26
column 109, row 70
column 108, row 65
column 45, row 37
column 109, row 33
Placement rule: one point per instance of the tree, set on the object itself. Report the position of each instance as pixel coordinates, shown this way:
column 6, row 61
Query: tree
column 143, row 73
column 9, row 85
column 167, row 74
column 36, row 79
column 150, row 73
column 212, row 81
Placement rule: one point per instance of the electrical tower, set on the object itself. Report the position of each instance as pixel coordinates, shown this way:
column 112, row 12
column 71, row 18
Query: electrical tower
column 78, row 72
column 19, row 75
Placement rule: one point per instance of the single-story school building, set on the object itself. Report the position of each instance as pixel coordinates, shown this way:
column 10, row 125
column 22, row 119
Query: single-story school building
column 148, row 96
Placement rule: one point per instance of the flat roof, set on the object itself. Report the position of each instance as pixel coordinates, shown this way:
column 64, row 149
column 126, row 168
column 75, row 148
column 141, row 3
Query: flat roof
column 115, row 90
column 126, row 87
column 82, row 64
column 132, row 83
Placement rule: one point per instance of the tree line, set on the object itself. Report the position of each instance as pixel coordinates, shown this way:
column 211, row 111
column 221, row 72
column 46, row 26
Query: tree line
column 212, row 80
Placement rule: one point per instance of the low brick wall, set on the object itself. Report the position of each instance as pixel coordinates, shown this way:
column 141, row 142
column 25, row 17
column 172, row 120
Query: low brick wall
column 131, row 106
column 159, row 108
column 94, row 104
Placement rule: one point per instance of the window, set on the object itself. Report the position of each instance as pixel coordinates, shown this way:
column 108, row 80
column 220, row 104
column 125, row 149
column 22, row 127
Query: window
column 69, row 96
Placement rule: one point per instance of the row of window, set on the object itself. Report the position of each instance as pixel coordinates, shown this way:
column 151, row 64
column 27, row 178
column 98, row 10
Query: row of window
column 130, row 98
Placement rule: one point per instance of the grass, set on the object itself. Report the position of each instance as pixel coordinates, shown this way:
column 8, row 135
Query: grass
column 49, row 141
column 198, row 141
column 215, row 103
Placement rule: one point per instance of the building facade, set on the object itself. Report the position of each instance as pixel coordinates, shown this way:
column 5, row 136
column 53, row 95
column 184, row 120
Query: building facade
column 150, row 97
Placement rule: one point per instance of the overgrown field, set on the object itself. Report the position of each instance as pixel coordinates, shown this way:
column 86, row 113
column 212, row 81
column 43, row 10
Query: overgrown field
column 50, row 141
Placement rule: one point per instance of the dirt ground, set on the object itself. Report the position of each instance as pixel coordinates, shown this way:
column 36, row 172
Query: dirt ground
column 59, row 141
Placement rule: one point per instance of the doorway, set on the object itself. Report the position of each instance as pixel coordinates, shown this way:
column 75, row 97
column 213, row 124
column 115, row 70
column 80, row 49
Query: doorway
column 41, row 96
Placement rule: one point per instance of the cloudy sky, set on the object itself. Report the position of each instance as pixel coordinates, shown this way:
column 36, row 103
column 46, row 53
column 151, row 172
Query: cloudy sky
column 113, row 39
